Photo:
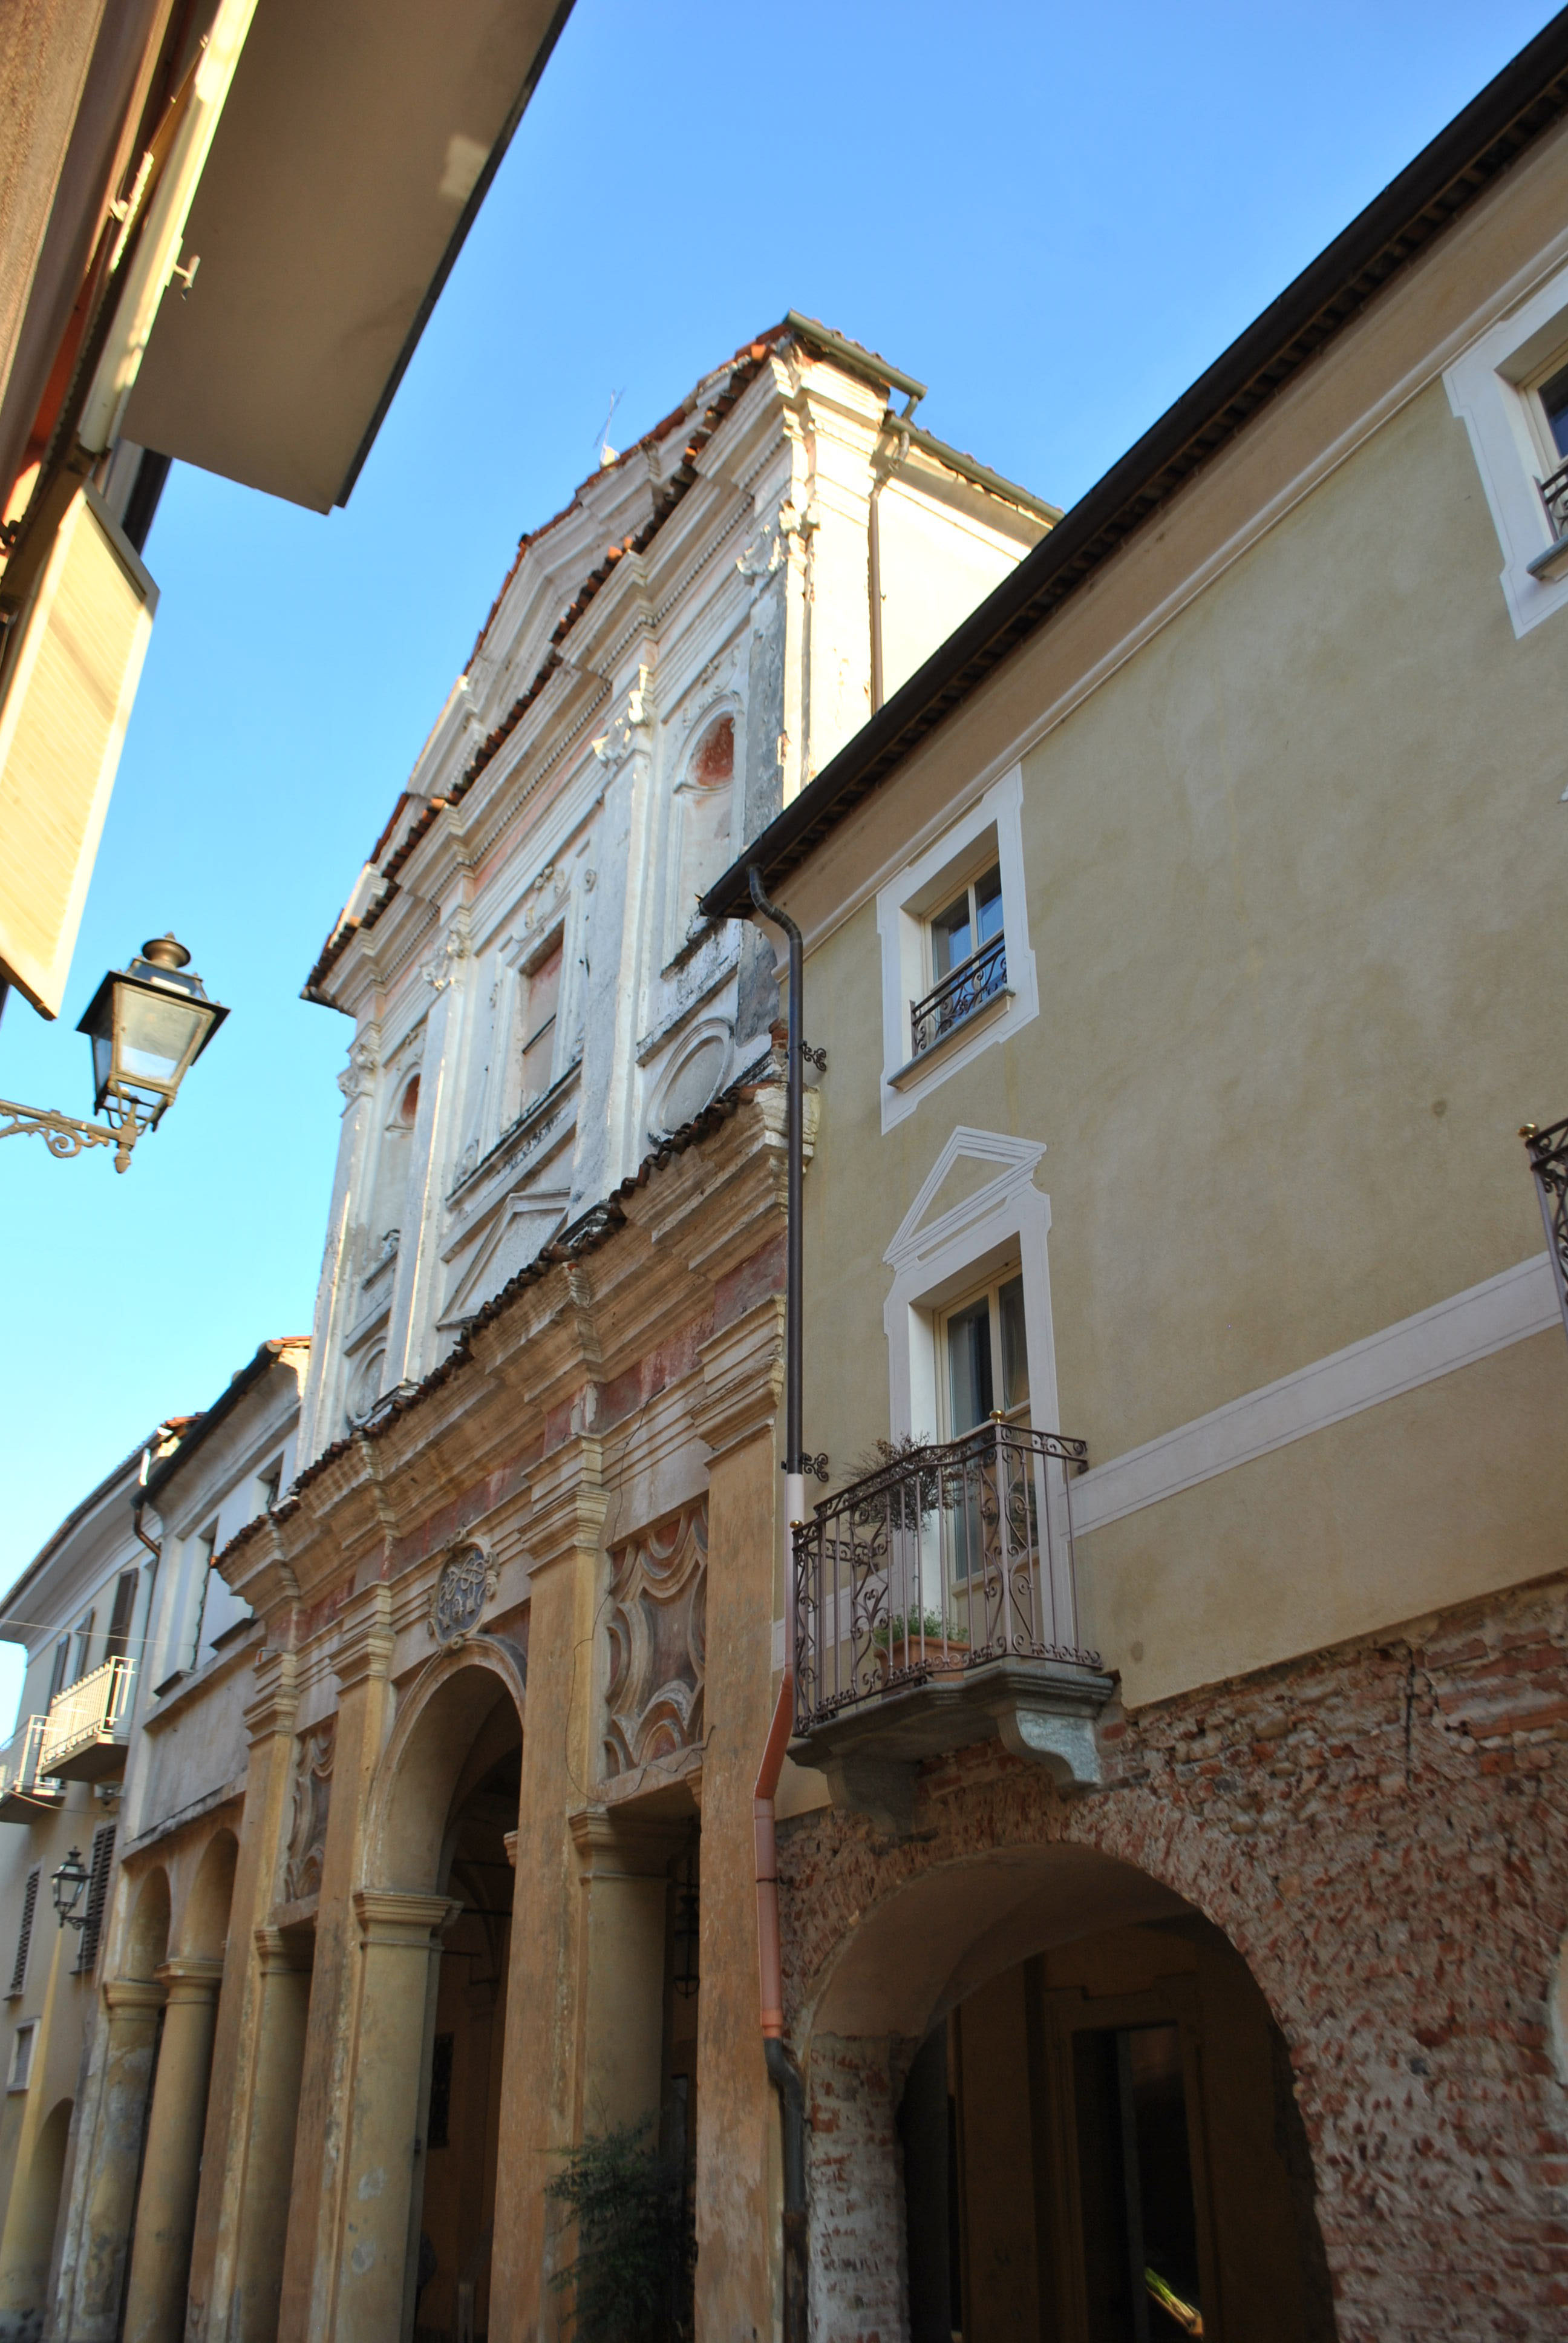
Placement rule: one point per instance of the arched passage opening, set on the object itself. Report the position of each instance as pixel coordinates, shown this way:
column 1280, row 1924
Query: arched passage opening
column 30, row 2225
column 435, row 1937
column 134, row 1997
column 1095, row 2138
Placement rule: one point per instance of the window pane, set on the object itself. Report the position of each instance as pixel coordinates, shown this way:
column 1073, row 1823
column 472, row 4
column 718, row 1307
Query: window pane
column 988, row 906
column 951, row 944
column 543, row 990
column 969, row 1389
column 1014, row 1351
column 1554, row 399
column 537, row 1062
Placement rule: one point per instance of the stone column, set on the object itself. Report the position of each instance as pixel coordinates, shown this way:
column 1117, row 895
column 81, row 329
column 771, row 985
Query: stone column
column 133, row 2004
column 738, row 2209
column 539, row 2088
column 401, row 1940
column 234, row 2183
column 625, row 1891
column 317, row 2212
column 255, row 2249
column 171, row 2169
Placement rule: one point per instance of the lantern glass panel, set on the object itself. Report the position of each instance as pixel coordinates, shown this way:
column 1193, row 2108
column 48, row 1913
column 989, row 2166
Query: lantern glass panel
column 156, row 1035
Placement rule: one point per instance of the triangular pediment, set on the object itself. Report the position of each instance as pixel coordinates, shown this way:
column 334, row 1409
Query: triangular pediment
column 523, row 1225
column 975, row 1170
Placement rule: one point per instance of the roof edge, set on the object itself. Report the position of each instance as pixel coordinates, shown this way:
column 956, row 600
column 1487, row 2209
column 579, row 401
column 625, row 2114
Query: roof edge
column 1517, row 108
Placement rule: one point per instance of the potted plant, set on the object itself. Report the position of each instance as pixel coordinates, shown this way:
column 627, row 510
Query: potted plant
column 896, row 1644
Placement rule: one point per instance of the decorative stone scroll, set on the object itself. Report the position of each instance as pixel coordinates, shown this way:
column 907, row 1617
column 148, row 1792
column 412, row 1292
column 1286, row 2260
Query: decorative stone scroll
column 657, row 1607
column 466, row 1583
column 312, row 1799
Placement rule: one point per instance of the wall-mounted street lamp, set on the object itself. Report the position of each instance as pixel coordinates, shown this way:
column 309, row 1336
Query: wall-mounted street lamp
column 68, row 1882
column 148, row 1024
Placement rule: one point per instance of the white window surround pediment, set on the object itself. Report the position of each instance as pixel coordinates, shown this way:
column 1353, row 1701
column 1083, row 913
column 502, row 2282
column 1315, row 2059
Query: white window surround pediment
column 1487, row 390
column 934, row 1260
column 902, row 909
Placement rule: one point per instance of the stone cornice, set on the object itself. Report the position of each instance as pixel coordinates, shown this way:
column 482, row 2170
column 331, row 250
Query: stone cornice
column 743, row 1378
column 190, row 1977
column 133, row 1993
column 364, row 1637
column 272, row 1707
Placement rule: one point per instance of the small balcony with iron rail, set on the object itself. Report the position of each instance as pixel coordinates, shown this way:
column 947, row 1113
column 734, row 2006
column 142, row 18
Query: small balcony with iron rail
column 960, row 996
column 27, row 1792
column 87, row 1729
column 1554, row 497
column 936, row 1605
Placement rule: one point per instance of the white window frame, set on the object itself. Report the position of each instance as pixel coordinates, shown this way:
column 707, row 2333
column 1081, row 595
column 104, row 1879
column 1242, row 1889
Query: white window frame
column 1492, row 389
column 27, row 2034
column 904, row 907
column 1007, row 1221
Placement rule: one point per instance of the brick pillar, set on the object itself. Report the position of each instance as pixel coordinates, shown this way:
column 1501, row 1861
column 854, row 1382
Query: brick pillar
column 856, row 2193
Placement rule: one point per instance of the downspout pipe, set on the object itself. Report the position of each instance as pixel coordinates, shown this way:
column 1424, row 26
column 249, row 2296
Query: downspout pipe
column 782, row 2071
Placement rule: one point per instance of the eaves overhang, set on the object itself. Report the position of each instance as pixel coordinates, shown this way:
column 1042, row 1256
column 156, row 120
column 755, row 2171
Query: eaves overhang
column 202, row 1427
column 1525, row 101
column 355, row 145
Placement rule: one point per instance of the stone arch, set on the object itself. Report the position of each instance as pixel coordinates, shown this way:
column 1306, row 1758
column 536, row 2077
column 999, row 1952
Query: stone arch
column 966, row 1933
column 204, row 1927
column 434, row 1748
column 148, row 1934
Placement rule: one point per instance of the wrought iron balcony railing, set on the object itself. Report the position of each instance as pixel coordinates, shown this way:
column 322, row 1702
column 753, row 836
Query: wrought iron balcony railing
column 974, row 983
column 950, row 1556
column 1554, row 496
column 24, row 1787
column 85, row 1732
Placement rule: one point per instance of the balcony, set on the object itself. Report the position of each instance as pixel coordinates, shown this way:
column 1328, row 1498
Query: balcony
column 24, row 1792
column 980, row 979
column 88, row 1725
column 935, row 1605
column 1554, row 496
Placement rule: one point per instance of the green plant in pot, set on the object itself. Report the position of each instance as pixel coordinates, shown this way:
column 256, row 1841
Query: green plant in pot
column 630, row 2280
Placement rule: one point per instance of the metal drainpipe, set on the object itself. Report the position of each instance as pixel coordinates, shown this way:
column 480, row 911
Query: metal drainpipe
column 782, row 2071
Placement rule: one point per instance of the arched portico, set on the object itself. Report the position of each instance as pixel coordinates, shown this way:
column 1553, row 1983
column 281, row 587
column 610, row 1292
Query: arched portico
column 1044, row 2087
column 432, row 1914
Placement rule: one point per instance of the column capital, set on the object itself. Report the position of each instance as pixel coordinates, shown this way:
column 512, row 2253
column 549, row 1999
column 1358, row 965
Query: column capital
column 364, row 1637
column 410, row 1923
column 190, row 1977
column 743, row 1378
column 280, row 1952
column 618, row 1846
column 133, row 1993
column 271, row 1707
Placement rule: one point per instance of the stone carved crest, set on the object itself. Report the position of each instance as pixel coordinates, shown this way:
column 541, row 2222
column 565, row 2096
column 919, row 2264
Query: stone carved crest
column 658, row 1618
column 312, row 1799
column 466, row 1583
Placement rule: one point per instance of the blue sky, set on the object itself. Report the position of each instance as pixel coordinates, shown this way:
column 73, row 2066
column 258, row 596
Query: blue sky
column 1055, row 216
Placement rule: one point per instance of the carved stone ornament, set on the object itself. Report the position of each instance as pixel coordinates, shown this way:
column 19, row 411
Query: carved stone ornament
column 467, row 1584
column 616, row 742
column 657, row 1619
column 312, row 1799
column 441, row 969
column 364, row 1060
column 775, row 541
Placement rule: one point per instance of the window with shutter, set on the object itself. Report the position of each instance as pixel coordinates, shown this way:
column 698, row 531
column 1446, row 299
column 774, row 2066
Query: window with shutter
column 121, row 1616
column 24, row 1935
column 97, row 1895
column 62, row 1662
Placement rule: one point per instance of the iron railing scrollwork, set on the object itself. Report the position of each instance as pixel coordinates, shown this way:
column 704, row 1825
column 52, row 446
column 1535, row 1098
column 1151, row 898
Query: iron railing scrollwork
column 1548, row 1151
column 952, row 1555
column 1554, row 496
column 970, row 985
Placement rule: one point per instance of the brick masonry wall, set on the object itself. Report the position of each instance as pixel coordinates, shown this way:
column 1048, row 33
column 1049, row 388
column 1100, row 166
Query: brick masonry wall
column 1382, row 1830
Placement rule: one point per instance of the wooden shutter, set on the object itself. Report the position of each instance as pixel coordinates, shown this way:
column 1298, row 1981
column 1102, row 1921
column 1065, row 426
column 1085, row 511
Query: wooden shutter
column 97, row 1896
column 121, row 1616
column 69, row 686
column 62, row 1662
column 24, row 1934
